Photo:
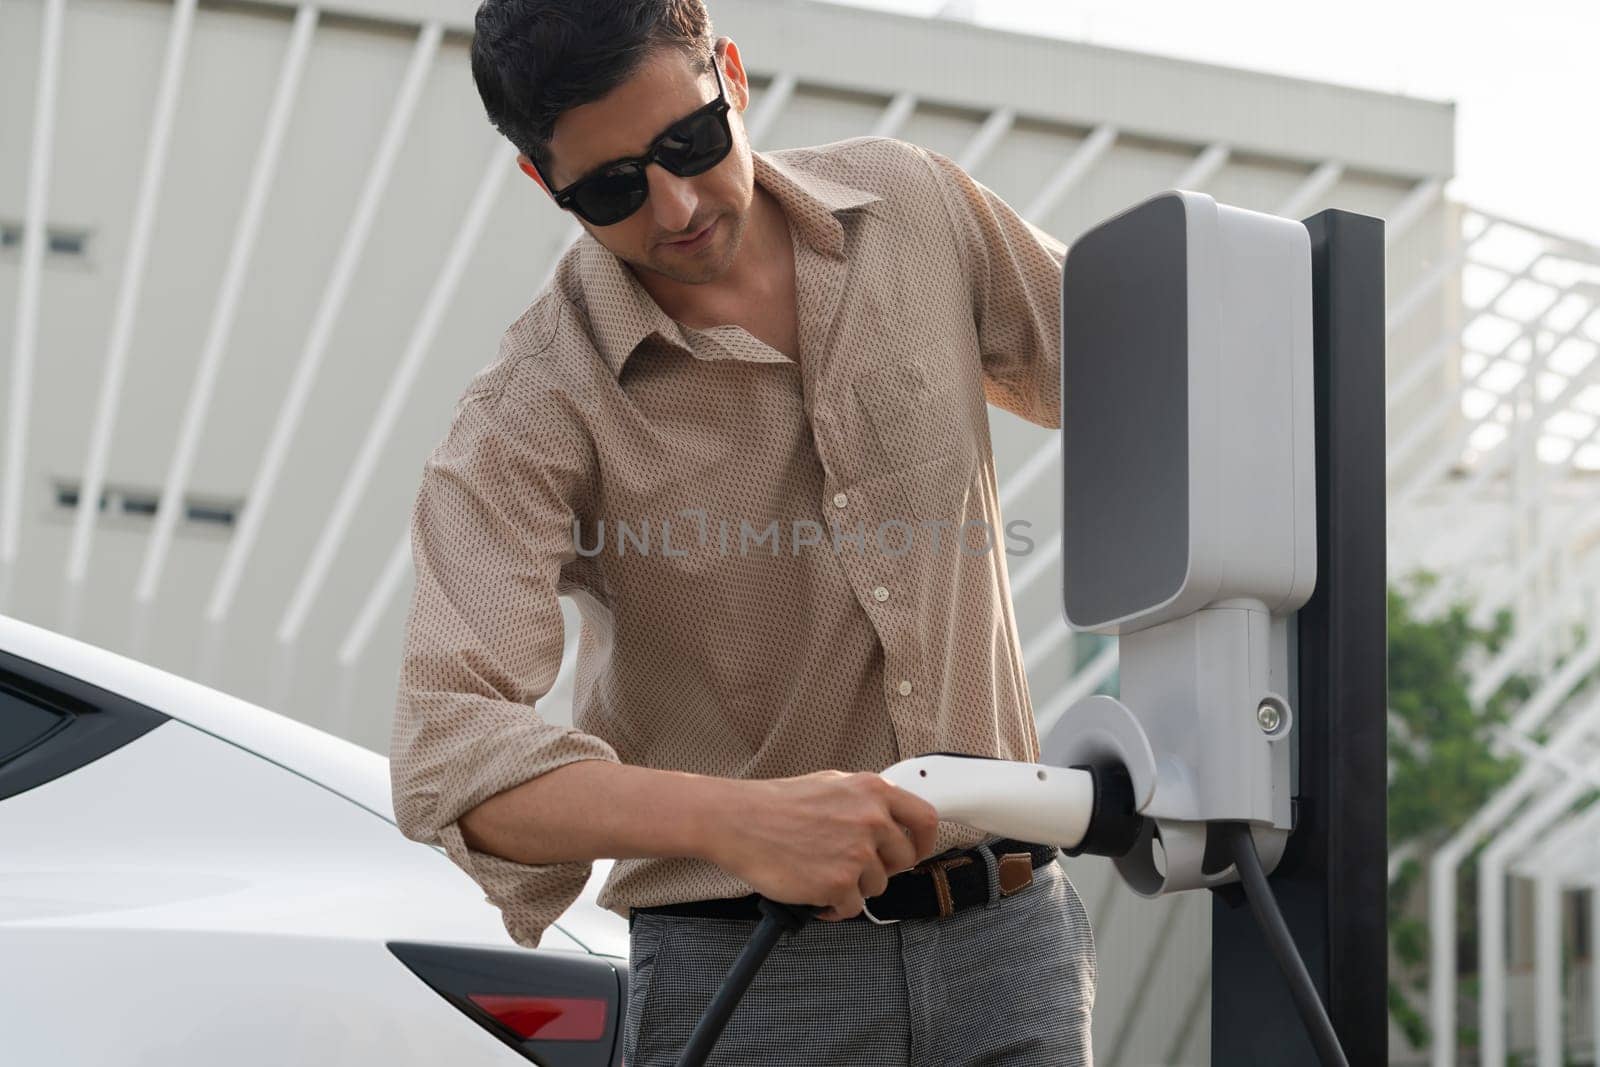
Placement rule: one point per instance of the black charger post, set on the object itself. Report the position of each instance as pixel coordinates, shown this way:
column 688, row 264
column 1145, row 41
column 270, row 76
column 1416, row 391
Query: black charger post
column 1332, row 883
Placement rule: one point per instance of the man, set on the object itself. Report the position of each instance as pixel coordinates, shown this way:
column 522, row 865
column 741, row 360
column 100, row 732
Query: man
column 745, row 428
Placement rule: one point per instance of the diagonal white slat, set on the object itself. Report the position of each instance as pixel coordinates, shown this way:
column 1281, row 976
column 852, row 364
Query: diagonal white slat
column 259, row 499
column 1401, row 309
column 1498, row 590
column 1554, row 690
column 1432, row 361
column 570, row 232
column 1204, row 168
column 131, row 285
column 1566, row 243
column 1043, row 460
column 1529, row 637
column 1494, row 458
column 1444, row 458
column 1422, row 368
column 25, row 334
column 1082, row 684
column 773, row 101
column 895, row 115
column 1317, row 185
column 1412, row 207
column 1568, row 847
column 1047, row 456
column 394, row 397
column 1055, row 635
column 1040, row 561
column 1399, row 857
column 1092, row 149
column 227, row 305
column 1555, row 759
column 394, row 574
column 396, row 569
column 995, row 126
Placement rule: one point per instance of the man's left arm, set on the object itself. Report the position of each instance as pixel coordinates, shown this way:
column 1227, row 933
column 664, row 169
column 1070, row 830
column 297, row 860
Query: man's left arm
column 1015, row 271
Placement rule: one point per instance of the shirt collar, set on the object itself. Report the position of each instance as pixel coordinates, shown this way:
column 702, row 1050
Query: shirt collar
column 812, row 202
column 623, row 314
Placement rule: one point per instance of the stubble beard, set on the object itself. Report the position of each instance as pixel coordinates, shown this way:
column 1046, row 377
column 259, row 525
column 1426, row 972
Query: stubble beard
column 704, row 271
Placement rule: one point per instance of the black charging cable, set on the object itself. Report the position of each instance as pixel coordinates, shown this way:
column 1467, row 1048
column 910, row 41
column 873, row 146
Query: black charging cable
column 1242, row 849
column 776, row 920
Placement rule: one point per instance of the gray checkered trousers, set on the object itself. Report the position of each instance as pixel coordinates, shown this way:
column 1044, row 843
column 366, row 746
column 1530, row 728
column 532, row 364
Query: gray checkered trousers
column 1006, row 984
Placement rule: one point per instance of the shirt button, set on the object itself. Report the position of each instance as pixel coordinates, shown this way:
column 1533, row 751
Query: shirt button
column 880, row 594
column 904, row 688
column 840, row 500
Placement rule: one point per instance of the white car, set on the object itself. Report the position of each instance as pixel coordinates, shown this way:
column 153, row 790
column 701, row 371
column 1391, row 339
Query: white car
column 187, row 879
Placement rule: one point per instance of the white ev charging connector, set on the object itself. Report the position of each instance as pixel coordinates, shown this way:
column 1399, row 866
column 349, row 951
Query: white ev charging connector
column 1022, row 801
column 1070, row 807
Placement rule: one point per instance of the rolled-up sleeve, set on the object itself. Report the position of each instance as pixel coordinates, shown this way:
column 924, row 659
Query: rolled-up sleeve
column 491, row 529
column 1015, row 271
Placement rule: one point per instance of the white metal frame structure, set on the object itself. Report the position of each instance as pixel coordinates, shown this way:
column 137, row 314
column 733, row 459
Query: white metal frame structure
column 1492, row 490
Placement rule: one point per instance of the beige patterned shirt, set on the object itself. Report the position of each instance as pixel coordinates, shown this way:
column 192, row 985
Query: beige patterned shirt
column 781, row 567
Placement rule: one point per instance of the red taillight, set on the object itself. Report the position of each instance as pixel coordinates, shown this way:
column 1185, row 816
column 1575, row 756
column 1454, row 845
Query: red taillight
column 558, row 1009
column 547, row 1018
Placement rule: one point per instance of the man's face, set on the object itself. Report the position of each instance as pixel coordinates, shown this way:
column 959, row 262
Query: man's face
column 622, row 123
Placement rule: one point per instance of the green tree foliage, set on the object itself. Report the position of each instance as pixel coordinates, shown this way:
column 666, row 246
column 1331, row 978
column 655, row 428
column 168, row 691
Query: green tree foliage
column 1442, row 769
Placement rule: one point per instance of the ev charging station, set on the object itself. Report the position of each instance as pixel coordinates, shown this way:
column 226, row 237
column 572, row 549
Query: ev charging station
column 1188, row 516
column 1223, row 516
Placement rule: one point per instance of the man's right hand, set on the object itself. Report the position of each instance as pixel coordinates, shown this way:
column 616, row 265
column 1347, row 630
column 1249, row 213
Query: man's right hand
column 829, row 839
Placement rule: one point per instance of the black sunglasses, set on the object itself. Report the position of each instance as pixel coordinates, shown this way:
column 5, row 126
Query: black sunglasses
column 692, row 145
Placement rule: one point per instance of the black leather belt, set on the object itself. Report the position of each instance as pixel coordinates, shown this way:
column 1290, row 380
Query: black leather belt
column 936, row 888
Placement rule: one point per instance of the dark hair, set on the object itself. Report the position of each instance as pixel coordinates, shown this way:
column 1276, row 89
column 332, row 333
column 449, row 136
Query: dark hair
column 534, row 59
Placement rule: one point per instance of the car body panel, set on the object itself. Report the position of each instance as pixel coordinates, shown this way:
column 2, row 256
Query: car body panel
column 335, row 835
column 182, row 898
column 179, row 830
column 98, row 997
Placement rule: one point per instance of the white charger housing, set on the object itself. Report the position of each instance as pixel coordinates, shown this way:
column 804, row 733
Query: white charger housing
column 1189, row 514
